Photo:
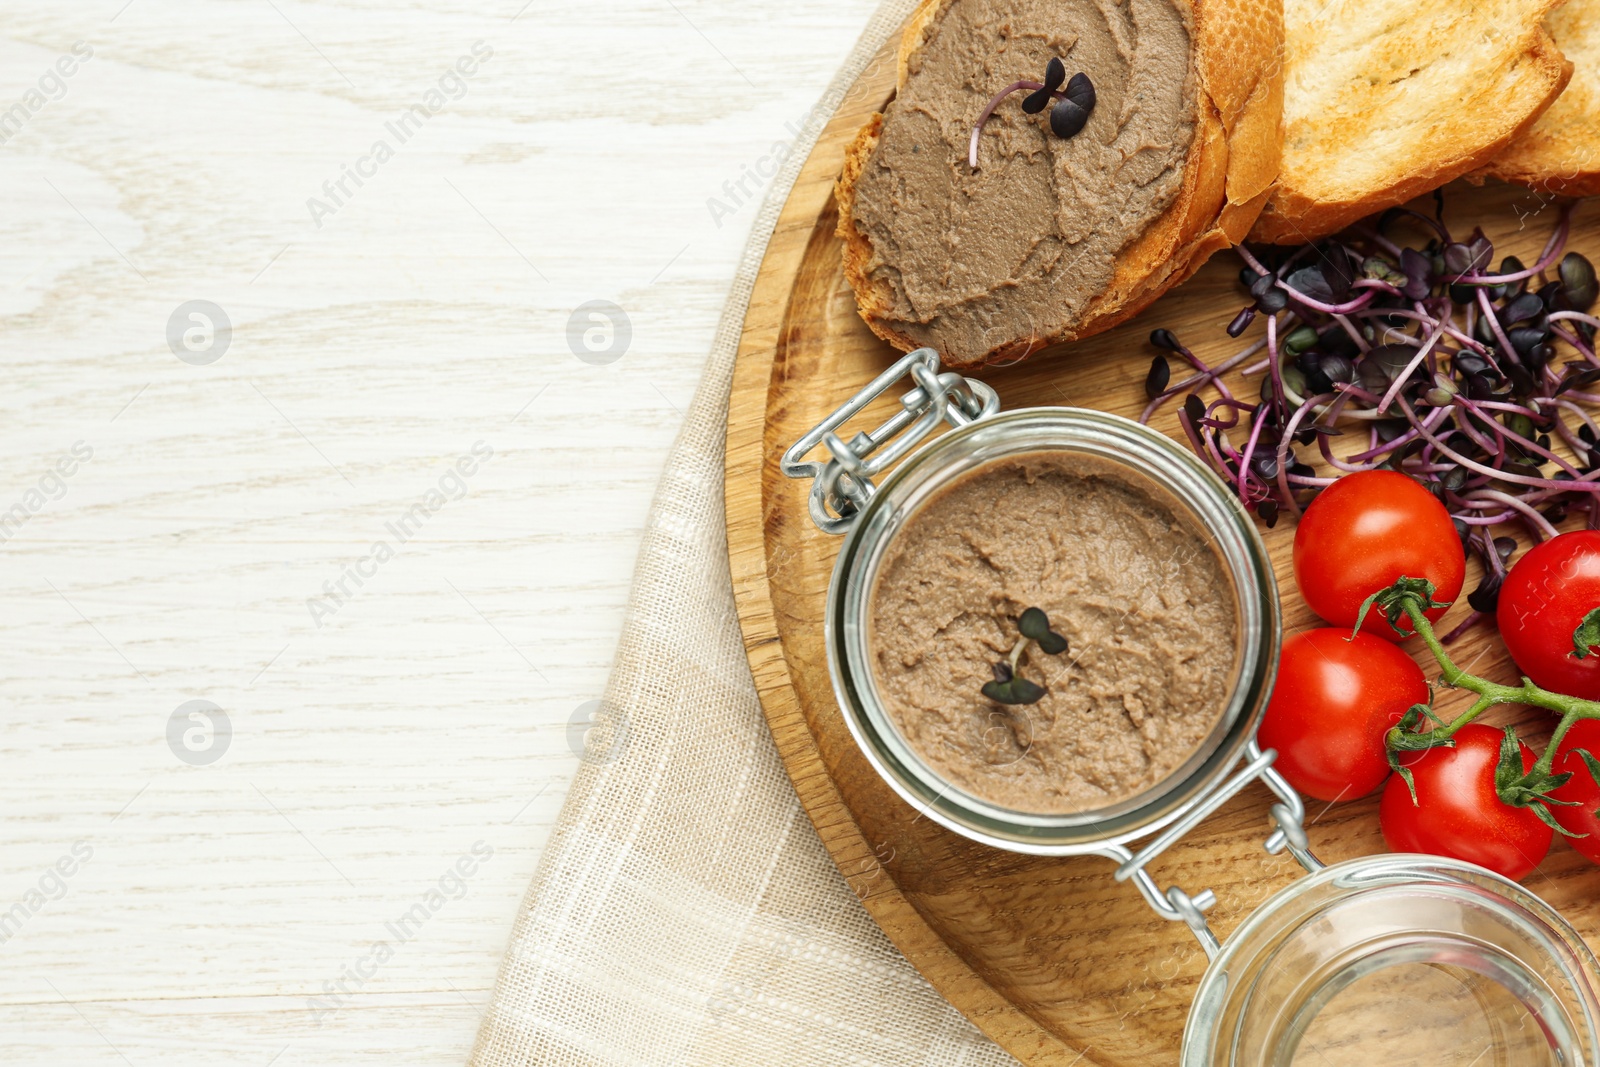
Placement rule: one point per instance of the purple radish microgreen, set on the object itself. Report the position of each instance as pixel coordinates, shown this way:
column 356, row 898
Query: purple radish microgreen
column 1073, row 104
column 1477, row 382
column 1008, row 686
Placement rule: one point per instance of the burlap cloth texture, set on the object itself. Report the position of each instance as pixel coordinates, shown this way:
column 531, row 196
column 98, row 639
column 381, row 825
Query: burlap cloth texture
column 685, row 911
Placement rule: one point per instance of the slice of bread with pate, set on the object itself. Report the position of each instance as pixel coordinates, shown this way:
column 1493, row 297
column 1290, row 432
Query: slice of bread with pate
column 1560, row 153
column 1385, row 101
column 1065, row 228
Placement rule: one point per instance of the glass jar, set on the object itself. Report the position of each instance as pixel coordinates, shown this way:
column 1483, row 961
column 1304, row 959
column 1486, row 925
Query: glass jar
column 1382, row 961
column 1140, row 456
column 1399, row 961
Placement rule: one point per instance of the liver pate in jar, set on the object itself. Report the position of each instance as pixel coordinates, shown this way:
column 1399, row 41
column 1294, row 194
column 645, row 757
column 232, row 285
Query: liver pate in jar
column 1123, row 573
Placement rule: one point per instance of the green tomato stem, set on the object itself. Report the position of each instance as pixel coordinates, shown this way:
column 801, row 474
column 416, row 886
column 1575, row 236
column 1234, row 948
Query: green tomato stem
column 1566, row 723
column 1449, row 672
column 1571, row 709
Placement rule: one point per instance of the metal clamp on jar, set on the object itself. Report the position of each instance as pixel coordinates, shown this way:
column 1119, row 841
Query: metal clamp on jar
column 1337, row 967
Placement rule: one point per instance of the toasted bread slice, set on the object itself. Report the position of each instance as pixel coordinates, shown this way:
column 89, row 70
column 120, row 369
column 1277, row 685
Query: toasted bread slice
column 1386, row 101
column 1560, row 153
column 1226, row 178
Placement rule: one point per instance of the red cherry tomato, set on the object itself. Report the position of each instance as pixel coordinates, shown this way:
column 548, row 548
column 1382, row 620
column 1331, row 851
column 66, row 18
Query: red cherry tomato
column 1457, row 812
column 1362, row 534
column 1542, row 601
column 1334, row 700
column 1581, row 788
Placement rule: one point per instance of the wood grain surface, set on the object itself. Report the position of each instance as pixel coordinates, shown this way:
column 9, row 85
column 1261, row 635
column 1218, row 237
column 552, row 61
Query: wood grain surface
column 223, row 905
column 1049, row 956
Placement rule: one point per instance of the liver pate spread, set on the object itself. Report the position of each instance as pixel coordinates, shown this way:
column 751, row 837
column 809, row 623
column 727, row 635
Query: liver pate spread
column 1016, row 250
column 1138, row 591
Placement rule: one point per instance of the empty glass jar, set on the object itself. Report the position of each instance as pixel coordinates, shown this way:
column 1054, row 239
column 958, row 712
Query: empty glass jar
column 1398, row 961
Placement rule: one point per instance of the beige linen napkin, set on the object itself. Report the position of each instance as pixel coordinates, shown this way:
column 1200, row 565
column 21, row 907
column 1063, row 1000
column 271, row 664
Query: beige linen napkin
column 685, row 911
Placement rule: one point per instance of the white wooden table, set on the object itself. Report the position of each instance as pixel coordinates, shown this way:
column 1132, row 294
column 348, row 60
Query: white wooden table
column 273, row 521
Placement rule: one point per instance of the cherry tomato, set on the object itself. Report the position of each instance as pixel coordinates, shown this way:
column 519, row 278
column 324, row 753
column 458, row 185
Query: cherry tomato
column 1364, row 532
column 1580, row 818
column 1457, row 812
column 1542, row 601
column 1334, row 700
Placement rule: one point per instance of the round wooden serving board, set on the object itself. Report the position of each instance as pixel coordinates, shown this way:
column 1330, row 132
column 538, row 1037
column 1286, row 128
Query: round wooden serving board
column 1050, row 957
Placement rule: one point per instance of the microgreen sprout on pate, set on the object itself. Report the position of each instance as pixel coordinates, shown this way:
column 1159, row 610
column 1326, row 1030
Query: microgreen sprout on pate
column 1067, row 117
column 1008, row 686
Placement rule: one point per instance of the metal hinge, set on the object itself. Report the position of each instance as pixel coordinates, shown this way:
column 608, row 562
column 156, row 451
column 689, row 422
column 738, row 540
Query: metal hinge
column 1288, row 814
column 842, row 485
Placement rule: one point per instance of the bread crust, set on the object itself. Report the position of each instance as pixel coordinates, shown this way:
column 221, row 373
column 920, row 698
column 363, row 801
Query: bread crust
column 1232, row 163
column 1294, row 217
column 1560, row 153
column 1554, row 181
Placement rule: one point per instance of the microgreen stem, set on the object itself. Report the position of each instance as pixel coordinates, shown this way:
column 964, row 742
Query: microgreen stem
column 1547, row 258
column 1401, row 378
column 1463, row 338
column 1536, row 520
column 1213, row 375
column 994, row 102
column 1584, row 482
column 1575, row 316
column 1576, row 342
column 1016, row 653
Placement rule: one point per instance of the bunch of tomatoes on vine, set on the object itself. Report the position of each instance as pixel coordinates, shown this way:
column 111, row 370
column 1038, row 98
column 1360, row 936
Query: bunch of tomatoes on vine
column 1377, row 557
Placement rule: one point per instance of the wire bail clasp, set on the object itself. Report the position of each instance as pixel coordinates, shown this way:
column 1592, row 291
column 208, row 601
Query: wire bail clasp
column 843, row 485
column 1289, row 834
